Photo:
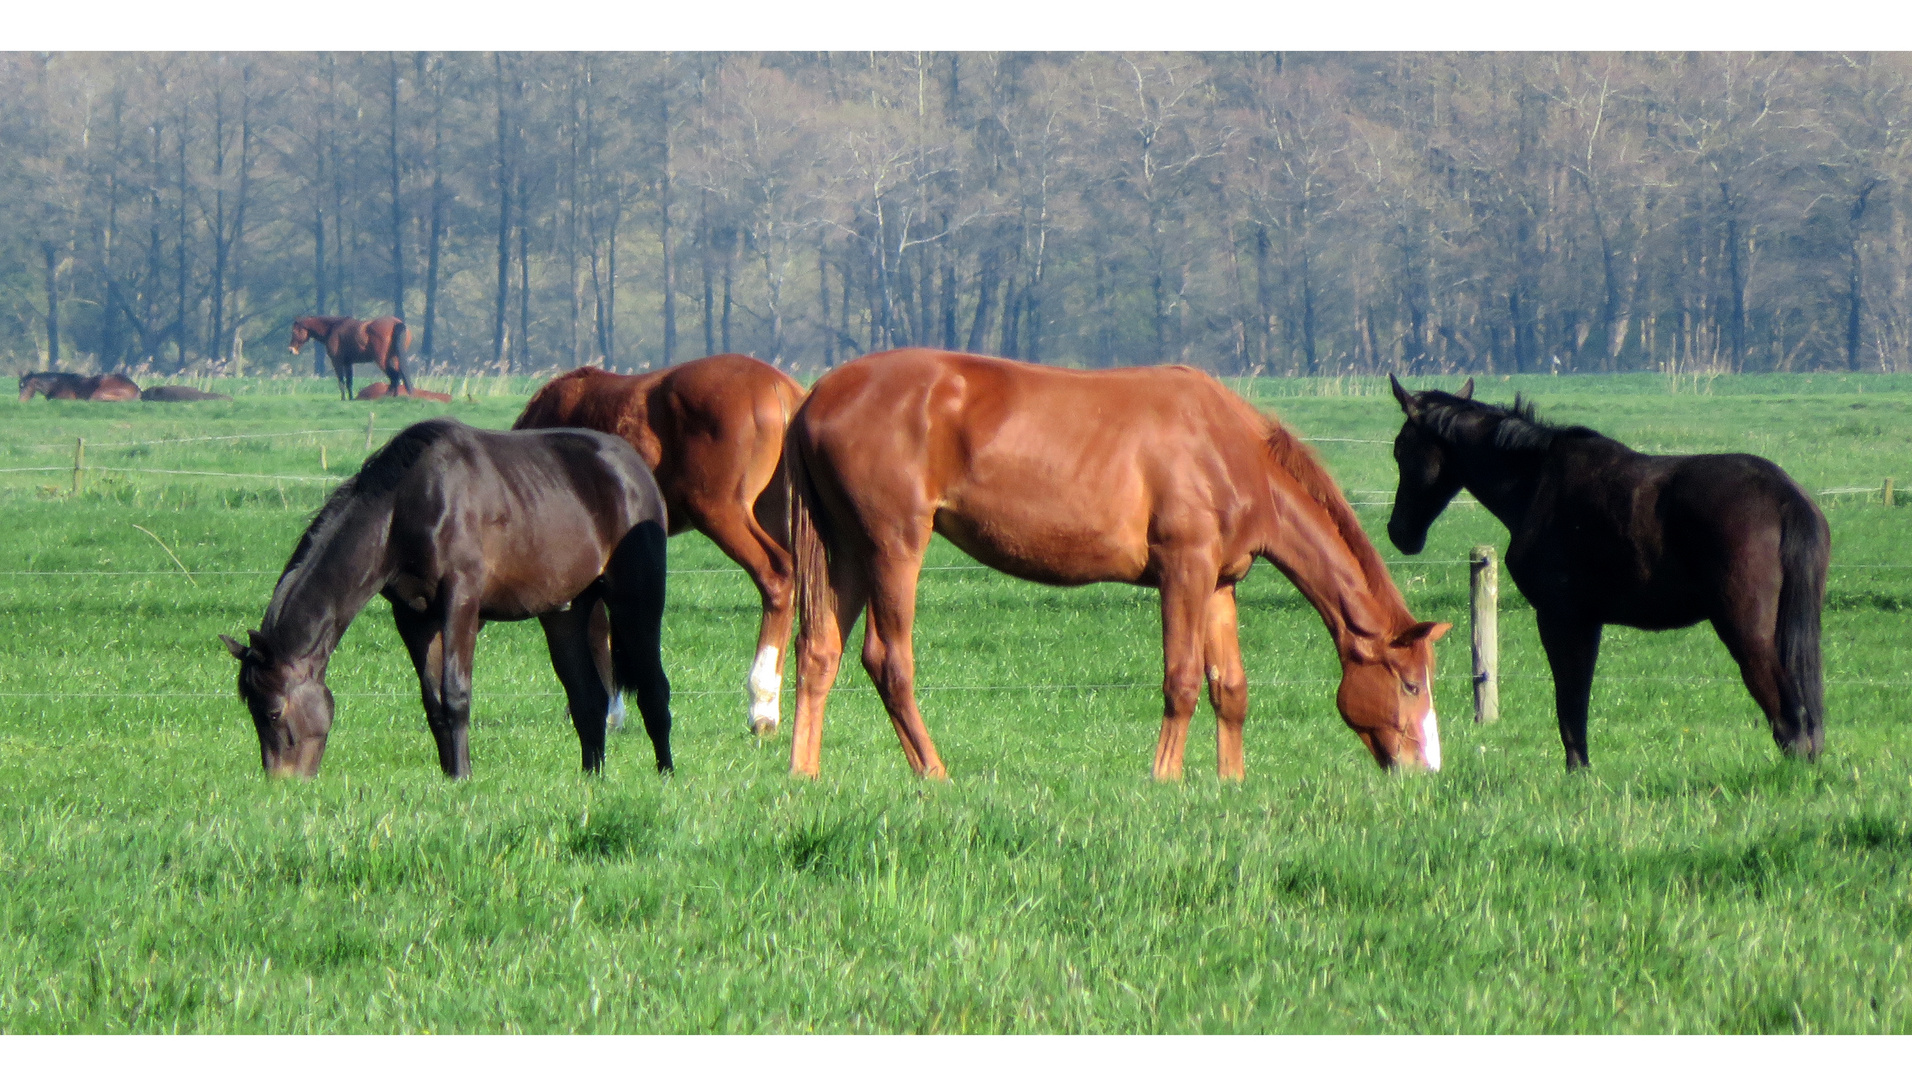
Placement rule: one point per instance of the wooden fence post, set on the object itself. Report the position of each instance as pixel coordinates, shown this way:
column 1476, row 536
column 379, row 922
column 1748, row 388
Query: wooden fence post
column 1887, row 493
column 79, row 462
column 368, row 431
column 1484, row 609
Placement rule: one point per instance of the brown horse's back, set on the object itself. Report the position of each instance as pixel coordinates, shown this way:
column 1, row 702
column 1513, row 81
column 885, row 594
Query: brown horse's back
column 114, row 388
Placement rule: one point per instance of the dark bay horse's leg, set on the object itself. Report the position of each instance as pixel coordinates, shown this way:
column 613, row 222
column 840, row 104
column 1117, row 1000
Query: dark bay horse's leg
column 888, row 654
column 1227, row 683
column 1573, row 648
column 459, row 600
column 819, row 652
column 424, row 641
column 1746, row 625
column 567, row 636
column 344, row 373
column 634, row 597
column 1186, row 591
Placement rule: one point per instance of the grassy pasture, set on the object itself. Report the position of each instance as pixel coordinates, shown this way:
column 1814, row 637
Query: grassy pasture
column 150, row 880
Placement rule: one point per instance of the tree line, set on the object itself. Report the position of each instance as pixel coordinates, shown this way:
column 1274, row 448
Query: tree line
column 1248, row 213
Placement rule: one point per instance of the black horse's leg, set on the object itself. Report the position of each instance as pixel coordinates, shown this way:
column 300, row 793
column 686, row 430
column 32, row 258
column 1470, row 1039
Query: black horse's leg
column 634, row 595
column 1751, row 644
column 345, row 380
column 424, row 640
column 462, row 623
column 1573, row 647
column 566, row 634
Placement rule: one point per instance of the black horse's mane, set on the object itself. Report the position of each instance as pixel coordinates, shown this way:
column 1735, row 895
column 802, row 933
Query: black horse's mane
column 379, row 475
column 1508, row 427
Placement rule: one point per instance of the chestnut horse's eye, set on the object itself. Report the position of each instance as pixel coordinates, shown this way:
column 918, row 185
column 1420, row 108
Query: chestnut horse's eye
column 1410, row 686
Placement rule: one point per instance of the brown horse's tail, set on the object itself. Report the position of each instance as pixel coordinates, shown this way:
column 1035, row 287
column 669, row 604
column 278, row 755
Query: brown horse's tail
column 809, row 554
column 401, row 335
column 1805, row 546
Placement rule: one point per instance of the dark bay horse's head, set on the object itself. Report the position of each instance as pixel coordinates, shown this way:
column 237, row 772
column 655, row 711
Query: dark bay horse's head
column 1429, row 476
column 54, row 384
column 1387, row 695
column 290, row 704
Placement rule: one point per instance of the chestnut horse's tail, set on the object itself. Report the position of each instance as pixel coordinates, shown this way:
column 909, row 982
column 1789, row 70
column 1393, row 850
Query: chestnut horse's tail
column 1804, row 549
column 810, row 560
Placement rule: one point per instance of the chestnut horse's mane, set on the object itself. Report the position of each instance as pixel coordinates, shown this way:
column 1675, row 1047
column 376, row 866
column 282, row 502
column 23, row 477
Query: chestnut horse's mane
column 1299, row 461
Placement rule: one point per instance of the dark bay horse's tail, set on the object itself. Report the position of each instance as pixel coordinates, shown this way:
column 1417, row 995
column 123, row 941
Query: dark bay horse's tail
column 1804, row 549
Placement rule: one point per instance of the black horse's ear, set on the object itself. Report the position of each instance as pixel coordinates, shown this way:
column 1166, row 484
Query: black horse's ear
column 1402, row 394
column 237, row 650
column 1466, row 392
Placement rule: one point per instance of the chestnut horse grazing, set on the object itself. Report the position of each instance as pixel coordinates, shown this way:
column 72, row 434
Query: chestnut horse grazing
column 712, row 431
column 1158, row 477
column 456, row 525
column 382, row 341
column 1602, row 534
column 66, row 386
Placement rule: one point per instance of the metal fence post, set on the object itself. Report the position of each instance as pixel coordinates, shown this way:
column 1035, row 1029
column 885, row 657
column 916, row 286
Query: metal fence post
column 1484, row 609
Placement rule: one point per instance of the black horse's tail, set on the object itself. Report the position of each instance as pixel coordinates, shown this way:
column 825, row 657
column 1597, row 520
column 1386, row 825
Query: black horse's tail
column 635, row 597
column 1805, row 546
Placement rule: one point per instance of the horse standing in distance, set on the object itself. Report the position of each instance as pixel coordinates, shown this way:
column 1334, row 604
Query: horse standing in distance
column 1601, row 534
column 66, row 386
column 382, row 341
column 1158, row 477
column 455, row 526
column 712, row 432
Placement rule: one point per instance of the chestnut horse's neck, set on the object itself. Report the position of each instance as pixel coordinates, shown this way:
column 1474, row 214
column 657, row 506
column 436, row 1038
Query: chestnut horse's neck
column 339, row 565
column 1315, row 539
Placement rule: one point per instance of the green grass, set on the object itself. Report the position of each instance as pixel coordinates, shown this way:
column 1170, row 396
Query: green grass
column 152, row 880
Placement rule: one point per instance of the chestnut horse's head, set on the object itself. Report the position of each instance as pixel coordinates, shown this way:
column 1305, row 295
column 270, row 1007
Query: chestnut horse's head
column 1429, row 476
column 290, row 704
column 300, row 334
column 1387, row 695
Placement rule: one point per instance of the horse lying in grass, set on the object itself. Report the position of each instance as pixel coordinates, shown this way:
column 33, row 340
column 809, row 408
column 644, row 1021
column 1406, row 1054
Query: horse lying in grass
column 1158, row 477
column 456, row 525
column 1601, row 534
column 66, row 386
column 712, row 431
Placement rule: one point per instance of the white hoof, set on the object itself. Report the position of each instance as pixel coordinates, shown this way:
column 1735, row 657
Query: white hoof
column 614, row 716
column 766, row 688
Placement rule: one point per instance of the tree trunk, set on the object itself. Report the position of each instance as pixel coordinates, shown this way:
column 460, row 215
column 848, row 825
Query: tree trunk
column 398, row 204
column 667, row 238
column 52, row 304
column 502, row 297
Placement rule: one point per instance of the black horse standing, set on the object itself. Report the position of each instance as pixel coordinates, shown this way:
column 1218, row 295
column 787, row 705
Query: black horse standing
column 1604, row 534
column 456, row 525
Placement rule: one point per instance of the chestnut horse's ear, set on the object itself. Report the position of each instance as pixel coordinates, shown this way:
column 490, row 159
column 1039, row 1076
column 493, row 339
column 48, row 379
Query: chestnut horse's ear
column 1466, row 392
column 237, row 650
column 1431, row 631
column 1406, row 397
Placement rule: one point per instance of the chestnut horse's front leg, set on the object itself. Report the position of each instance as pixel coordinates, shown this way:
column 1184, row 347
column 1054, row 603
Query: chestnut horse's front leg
column 1186, row 591
column 1227, row 683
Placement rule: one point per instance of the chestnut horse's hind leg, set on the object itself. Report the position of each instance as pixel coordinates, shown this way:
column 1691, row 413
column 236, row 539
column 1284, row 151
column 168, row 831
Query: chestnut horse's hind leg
column 1573, row 648
column 1227, row 683
column 889, row 657
column 567, row 636
column 731, row 526
column 819, row 651
column 1185, row 600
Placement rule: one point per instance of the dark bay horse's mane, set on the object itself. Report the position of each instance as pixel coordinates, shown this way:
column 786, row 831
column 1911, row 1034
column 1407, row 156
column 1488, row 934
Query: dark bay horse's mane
column 378, row 476
column 1511, row 427
column 1300, row 462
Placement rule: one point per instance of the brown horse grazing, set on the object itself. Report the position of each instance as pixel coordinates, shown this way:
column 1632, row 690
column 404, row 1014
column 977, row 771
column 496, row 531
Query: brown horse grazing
column 456, row 525
column 1602, row 534
column 1158, row 477
column 712, row 430
column 382, row 341
column 65, row 386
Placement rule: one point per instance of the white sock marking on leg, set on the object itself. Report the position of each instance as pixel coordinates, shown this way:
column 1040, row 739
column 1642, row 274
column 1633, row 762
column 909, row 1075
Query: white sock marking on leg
column 614, row 716
column 766, row 687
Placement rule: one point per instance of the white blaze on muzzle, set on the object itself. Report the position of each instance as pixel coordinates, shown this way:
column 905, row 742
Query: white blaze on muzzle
column 1431, row 739
column 765, row 689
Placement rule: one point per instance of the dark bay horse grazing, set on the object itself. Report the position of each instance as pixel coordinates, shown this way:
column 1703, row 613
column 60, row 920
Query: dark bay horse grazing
column 1602, row 534
column 456, row 525
column 1159, row 477
column 382, row 341
column 712, row 431
column 179, row 393
column 66, row 386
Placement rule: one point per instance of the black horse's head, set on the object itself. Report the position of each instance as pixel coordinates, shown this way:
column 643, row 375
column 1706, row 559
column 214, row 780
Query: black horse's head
column 290, row 704
column 1430, row 477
